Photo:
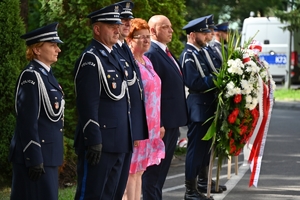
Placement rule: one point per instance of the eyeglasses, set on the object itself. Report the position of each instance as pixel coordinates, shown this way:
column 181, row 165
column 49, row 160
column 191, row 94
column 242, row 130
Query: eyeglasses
column 142, row 37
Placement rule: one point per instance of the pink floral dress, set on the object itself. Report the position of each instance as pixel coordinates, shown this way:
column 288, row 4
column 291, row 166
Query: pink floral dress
column 152, row 150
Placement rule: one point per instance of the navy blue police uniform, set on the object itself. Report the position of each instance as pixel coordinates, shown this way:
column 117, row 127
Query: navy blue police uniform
column 38, row 136
column 201, row 104
column 136, row 93
column 173, row 116
column 214, row 52
column 103, row 106
column 214, row 58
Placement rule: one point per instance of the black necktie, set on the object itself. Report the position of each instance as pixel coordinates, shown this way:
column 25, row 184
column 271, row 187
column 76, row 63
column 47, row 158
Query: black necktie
column 114, row 55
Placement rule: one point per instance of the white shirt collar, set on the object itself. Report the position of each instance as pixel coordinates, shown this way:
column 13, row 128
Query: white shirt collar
column 43, row 64
column 161, row 45
column 193, row 46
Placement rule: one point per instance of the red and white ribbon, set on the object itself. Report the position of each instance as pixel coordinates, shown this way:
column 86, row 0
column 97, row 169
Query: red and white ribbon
column 260, row 133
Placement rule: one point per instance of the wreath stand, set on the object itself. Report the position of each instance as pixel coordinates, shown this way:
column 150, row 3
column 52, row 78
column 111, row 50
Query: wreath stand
column 211, row 164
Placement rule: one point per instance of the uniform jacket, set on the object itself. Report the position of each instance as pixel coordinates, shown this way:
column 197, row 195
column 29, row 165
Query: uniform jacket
column 173, row 100
column 136, row 92
column 101, row 119
column 37, row 139
column 201, row 104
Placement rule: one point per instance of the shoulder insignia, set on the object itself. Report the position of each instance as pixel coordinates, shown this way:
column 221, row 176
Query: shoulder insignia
column 88, row 63
column 189, row 50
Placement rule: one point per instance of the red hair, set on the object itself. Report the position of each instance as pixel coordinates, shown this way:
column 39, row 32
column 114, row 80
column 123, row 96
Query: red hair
column 136, row 25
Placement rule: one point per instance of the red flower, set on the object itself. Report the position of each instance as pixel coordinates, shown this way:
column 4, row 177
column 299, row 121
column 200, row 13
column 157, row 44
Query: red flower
column 238, row 152
column 232, row 117
column 237, row 98
column 243, row 129
column 230, row 133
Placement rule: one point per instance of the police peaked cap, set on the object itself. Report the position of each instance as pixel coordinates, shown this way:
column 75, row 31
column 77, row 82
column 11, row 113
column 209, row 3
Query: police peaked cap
column 210, row 21
column 44, row 34
column 126, row 11
column 109, row 14
column 197, row 25
column 222, row 27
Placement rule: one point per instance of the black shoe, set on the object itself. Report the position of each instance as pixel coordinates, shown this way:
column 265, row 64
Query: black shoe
column 202, row 186
column 192, row 193
column 223, row 187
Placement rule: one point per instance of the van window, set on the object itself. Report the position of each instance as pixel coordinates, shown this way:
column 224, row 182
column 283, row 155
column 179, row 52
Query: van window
column 276, row 35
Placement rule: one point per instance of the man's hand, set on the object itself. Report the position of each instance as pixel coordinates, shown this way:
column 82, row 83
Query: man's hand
column 93, row 154
column 35, row 172
column 162, row 132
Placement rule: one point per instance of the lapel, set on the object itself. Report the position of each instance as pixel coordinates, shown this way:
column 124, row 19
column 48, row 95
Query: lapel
column 105, row 56
column 46, row 75
column 169, row 60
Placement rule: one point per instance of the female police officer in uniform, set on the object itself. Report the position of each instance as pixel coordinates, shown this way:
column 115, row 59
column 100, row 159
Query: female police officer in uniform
column 36, row 149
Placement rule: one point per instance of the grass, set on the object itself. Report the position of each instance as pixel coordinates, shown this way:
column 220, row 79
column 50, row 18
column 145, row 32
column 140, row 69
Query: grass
column 63, row 194
column 287, row 95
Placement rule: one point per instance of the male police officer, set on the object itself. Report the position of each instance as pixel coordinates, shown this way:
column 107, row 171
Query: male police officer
column 198, row 77
column 221, row 35
column 214, row 56
column 136, row 91
column 103, row 136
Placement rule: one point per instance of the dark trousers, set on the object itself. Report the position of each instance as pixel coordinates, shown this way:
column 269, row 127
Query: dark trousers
column 45, row 188
column 99, row 181
column 198, row 154
column 154, row 177
column 123, row 179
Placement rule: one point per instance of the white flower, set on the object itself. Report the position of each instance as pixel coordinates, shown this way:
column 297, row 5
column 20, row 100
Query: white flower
column 235, row 66
column 248, row 99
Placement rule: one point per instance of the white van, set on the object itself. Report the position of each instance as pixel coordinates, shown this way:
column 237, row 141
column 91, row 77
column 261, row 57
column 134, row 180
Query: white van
column 275, row 46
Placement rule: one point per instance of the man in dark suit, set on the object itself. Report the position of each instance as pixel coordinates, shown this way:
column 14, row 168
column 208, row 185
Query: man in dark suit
column 103, row 135
column 135, row 86
column 198, row 77
column 173, row 102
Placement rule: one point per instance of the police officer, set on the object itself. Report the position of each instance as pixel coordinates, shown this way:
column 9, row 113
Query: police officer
column 198, row 77
column 136, row 91
column 221, row 35
column 103, row 135
column 36, row 149
column 214, row 56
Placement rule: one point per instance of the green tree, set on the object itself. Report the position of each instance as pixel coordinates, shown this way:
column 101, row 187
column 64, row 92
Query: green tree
column 12, row 59
column 292, row 18
column 232, row 10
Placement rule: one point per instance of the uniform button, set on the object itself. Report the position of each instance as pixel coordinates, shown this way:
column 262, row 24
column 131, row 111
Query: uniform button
column 60, row 130
column 27, row 158
column 85, row 138
column 104, row 126
column 128, row 112
column 43, row 140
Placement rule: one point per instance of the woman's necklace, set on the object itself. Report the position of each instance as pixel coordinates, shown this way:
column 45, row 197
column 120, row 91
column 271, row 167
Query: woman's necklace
column 141, row 61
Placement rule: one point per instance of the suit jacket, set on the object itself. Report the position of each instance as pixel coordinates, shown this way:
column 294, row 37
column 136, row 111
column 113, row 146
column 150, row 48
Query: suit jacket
column 136, row 93
column 37, row 139
column 101, row 118
column 173, row 100
column 201, row 104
